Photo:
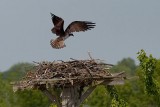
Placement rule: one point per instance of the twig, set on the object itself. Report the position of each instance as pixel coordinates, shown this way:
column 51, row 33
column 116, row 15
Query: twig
column 89, row 53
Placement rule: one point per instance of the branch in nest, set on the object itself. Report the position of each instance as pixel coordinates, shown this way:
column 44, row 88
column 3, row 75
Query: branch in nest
column 89, row 53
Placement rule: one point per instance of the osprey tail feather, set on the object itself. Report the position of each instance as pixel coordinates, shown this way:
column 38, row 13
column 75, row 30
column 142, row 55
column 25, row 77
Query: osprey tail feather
column 57, row 44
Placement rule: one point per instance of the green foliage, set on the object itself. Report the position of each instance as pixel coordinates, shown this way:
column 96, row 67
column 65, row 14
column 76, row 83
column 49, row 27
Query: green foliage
column 31, row 98
column 4, row 96
column 116, row 100
column 148, row 65
column 53, row 105
column 99, row 98
column 133, row 93
column 19, row 99
column 127, row 64
column 17, row 71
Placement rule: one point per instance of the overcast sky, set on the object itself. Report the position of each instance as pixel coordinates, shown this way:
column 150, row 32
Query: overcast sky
column 123, row 27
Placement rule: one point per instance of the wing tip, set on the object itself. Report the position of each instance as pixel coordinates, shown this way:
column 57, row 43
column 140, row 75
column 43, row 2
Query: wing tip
column 90, row 25
column 52, row 15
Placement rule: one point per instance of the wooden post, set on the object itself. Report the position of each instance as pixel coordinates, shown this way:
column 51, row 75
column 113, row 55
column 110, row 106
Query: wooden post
column 70, row 96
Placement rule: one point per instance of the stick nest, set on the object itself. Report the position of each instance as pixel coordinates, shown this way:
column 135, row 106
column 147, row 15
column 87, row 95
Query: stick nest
column 61, row 74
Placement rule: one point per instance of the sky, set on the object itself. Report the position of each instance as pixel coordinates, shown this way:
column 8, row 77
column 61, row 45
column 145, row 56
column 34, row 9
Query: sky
column 123, row 27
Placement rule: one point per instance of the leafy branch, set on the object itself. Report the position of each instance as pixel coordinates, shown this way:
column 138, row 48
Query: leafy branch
column 116, row 100
column 148, row 65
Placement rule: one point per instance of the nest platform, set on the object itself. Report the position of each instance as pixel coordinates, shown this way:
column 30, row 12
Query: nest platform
column 71, row 77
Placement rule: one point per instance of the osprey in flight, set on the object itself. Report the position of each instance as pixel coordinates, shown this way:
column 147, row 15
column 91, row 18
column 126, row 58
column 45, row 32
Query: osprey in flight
column 75, row 26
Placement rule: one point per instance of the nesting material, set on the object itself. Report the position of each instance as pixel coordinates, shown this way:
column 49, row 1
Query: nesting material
column 64, row 74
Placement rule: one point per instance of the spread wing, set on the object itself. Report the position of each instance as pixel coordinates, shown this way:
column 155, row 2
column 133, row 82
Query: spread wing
column 78, row 26
column 57, row 21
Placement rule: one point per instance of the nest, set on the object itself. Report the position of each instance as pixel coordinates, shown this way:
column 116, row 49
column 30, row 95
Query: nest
column 65, row 74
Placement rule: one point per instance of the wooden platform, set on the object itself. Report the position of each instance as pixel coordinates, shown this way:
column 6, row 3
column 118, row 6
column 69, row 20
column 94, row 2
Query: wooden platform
column 71, row 78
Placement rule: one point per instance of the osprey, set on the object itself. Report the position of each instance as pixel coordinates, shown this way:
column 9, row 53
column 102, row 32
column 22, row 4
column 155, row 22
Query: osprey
column 75, row 26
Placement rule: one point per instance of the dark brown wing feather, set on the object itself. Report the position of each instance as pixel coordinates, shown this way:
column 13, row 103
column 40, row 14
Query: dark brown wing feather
column 57, row 21
column 78, row 26
column 58, row 25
